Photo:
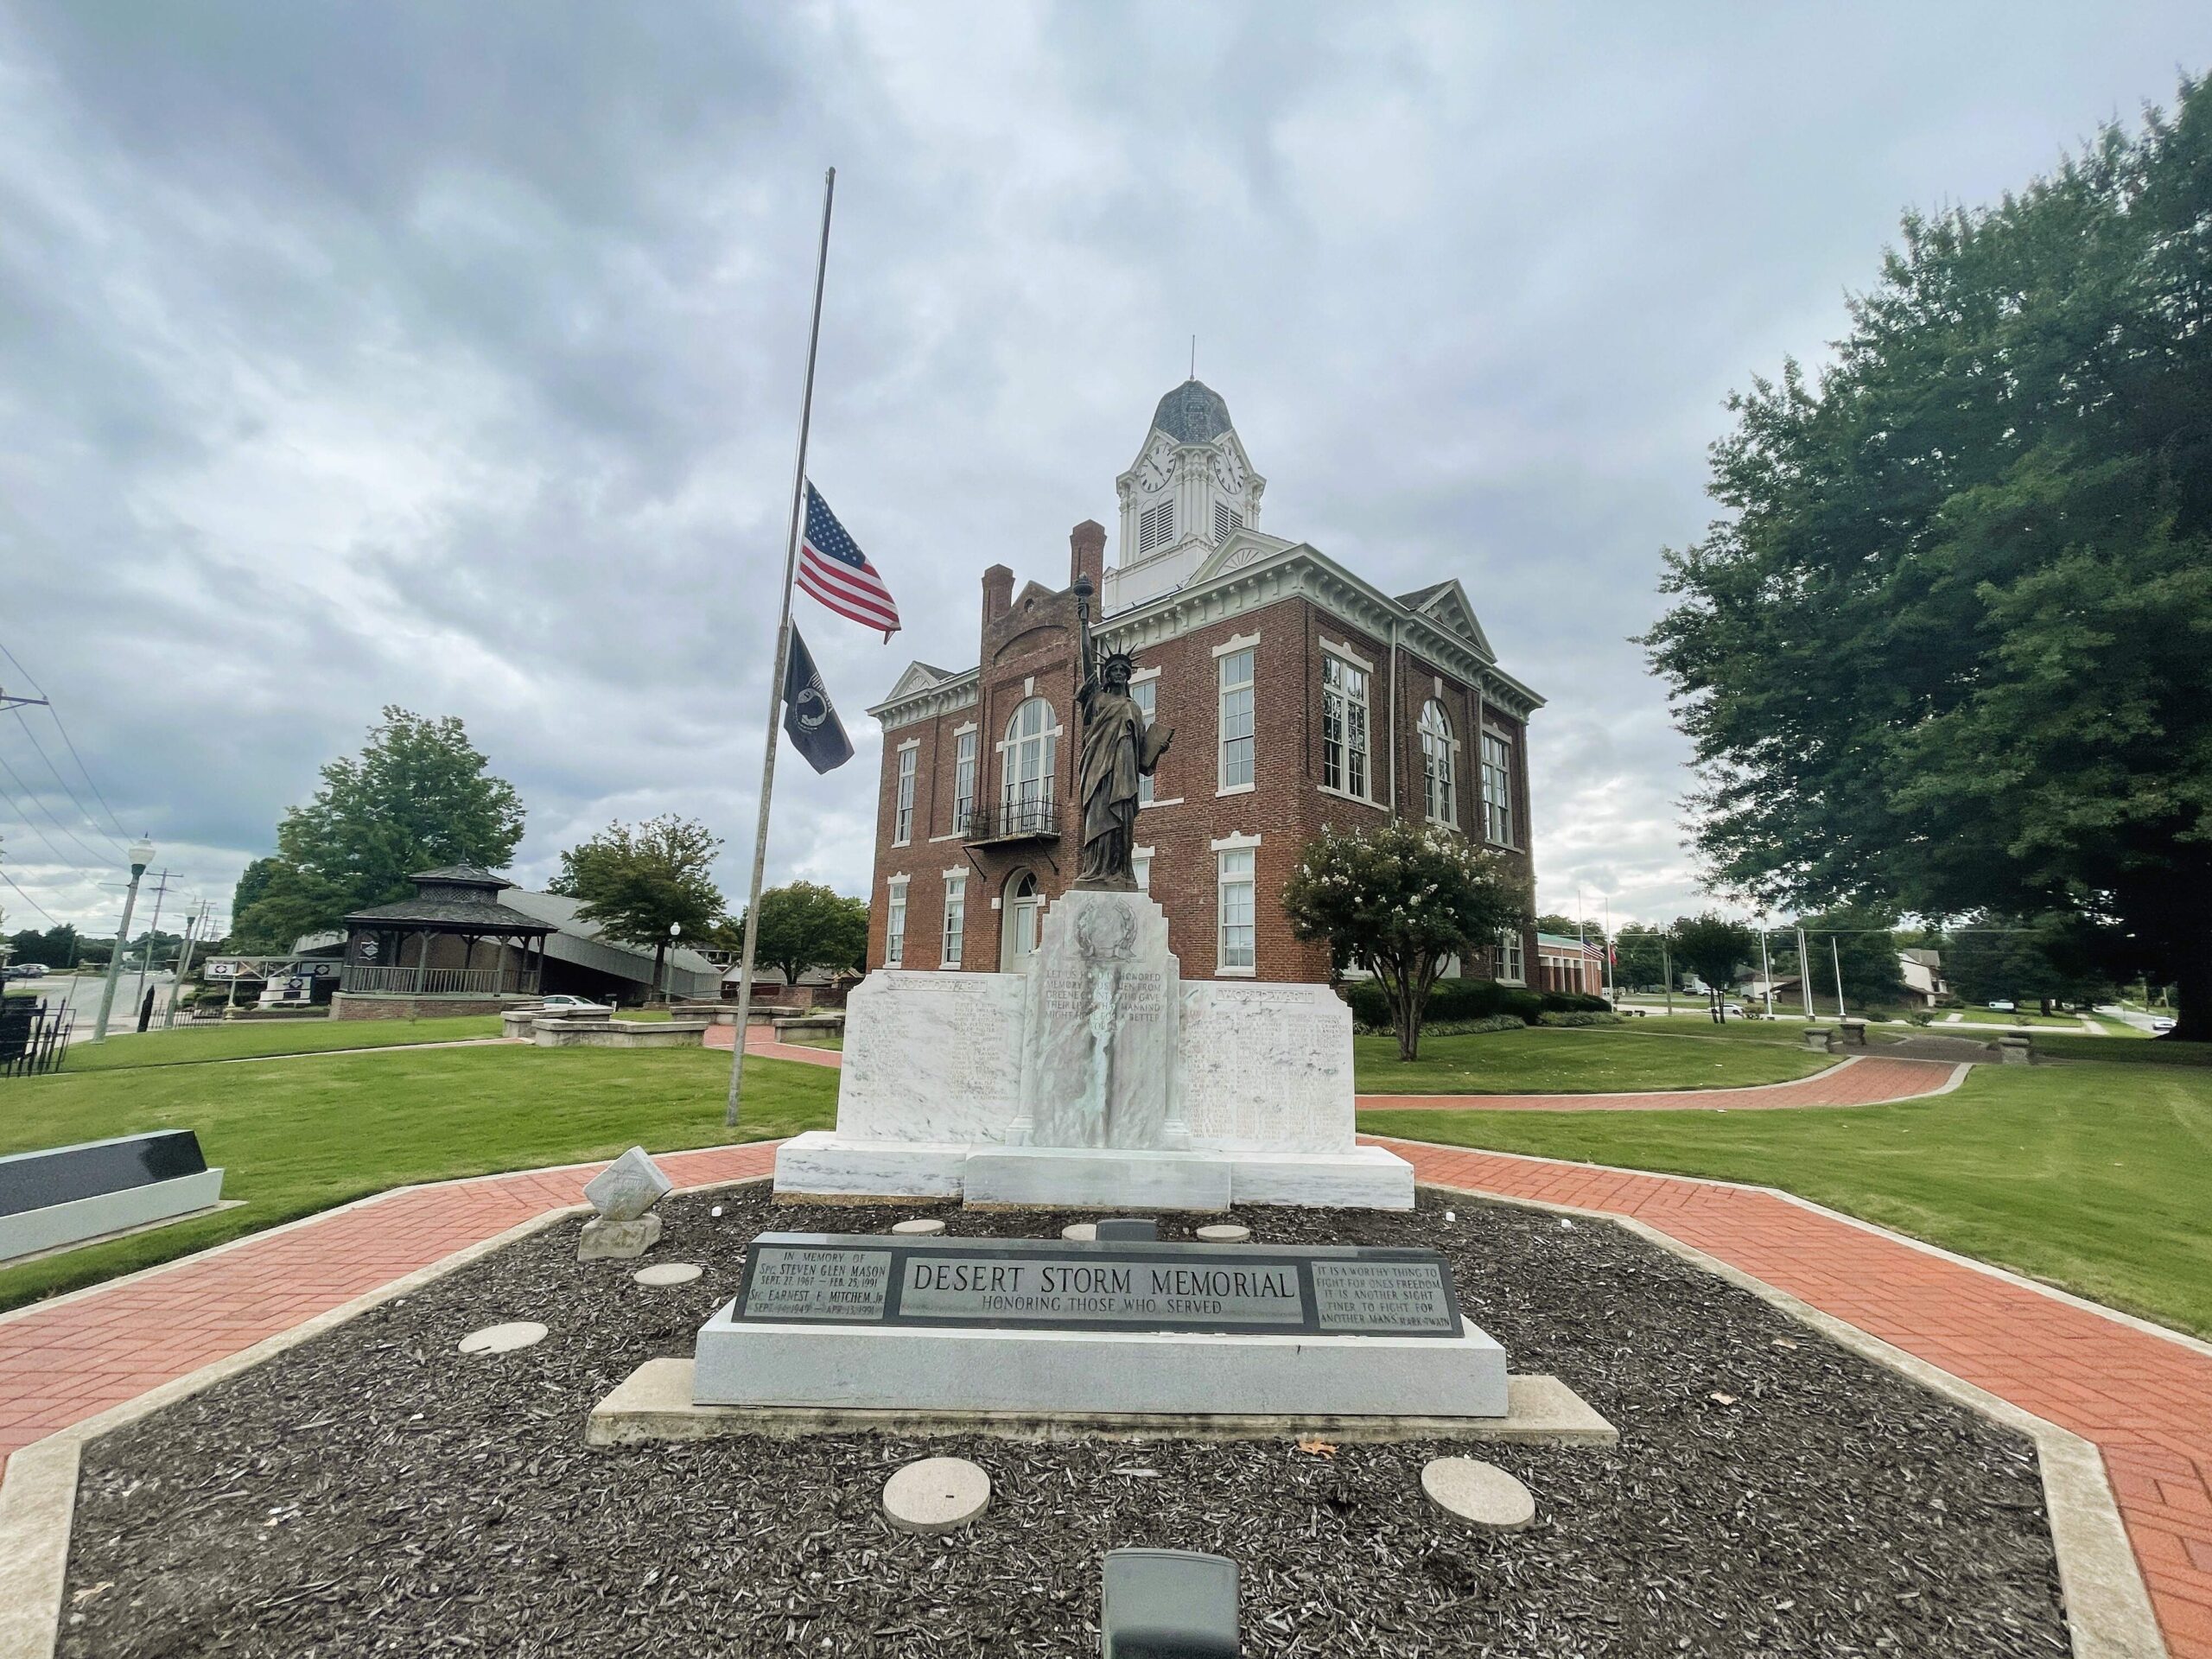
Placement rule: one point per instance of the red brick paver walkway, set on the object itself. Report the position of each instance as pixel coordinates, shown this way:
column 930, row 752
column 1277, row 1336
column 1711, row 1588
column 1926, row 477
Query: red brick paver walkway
column 2143, row 1399
column 70, row 1359
column 1861, row 1081
column 759, row 1042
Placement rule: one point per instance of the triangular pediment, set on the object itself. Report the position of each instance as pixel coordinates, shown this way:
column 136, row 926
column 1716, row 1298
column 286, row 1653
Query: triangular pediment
column 919, row 677
column 1243, row 547
column 1446, row 604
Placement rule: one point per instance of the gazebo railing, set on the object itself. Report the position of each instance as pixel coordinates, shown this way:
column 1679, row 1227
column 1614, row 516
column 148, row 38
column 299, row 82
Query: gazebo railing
column 435, row 982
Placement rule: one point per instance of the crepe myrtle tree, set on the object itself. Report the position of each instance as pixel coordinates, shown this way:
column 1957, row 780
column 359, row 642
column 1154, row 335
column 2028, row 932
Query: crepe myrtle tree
column 1403, row 900
column 1711, row 946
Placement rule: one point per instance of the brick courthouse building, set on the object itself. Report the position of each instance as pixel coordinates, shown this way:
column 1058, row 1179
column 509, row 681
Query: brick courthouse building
column 1300, row 697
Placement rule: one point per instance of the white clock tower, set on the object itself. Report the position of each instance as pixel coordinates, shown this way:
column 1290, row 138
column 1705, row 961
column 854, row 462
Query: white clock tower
column 1190, row 487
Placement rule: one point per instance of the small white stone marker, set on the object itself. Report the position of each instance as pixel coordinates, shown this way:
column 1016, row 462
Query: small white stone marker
column 1225, row 1232
column 922, row 1226
column 1083, row 1232
column 503, row 1338
column 668, row 1273
column 1478, row 1491
column 935, row 1495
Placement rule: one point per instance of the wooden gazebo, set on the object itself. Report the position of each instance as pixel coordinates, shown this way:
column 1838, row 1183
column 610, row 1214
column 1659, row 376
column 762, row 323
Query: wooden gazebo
column 427, row 945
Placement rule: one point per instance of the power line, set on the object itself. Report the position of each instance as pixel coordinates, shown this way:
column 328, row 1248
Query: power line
column 99, row 861
column 27, row 899
column 90, row 781
column 74, row 800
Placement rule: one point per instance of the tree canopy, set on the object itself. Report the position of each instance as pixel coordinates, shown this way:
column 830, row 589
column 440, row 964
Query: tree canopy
column 1713, row 947
column 1403, row 899
column 807, row 925
column 1946, row 652
column 418, row 796
column 638, row 881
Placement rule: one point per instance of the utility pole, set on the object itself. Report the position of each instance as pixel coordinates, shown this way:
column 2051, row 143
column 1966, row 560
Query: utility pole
column 1836, row 957
column 184, row 964
column 1804, row 974
column 142, row 855
column 153, row 932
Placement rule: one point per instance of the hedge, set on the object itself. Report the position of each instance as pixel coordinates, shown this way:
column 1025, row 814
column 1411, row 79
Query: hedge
column 1453, row 1001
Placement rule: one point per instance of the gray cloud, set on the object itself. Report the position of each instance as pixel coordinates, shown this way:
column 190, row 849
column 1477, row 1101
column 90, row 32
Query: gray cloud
column 448, row 356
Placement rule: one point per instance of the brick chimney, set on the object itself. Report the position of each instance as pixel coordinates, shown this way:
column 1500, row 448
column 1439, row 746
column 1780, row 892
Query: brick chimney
column 998, row 593
column 1087, row 553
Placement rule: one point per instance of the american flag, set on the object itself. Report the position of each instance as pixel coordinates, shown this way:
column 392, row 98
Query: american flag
column 833, row 568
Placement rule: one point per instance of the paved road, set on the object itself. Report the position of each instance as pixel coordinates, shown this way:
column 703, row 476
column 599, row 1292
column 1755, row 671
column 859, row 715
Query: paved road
column 80, row 994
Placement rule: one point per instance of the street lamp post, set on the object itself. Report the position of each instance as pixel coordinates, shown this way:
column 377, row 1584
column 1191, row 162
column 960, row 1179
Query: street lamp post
column 142, row 855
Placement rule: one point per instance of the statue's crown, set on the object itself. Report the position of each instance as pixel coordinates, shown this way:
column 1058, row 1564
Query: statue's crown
column 1128, row 663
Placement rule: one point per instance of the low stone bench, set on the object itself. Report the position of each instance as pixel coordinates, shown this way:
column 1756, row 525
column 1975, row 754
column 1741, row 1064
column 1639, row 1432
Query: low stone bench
column 1854, row 1033
column 619, row 1033
column 819, row 1024
column 1821, row 1039
column 2016, row 1051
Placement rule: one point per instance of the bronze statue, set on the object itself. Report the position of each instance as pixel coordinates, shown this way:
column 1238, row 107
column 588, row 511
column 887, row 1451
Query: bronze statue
column 1119, row 747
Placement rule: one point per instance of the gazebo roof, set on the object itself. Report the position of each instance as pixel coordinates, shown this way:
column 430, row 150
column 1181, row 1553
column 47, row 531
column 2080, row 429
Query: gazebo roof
column 474, row 875
column 454, row 914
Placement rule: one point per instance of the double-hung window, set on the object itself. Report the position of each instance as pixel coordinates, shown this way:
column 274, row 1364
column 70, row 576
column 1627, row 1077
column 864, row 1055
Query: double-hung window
column 1236, row 908
column 1344, row 726
column 955, row 919
column 1236, row 719
column 1510, row 963
column 963, row 782
column 1497, row 789
column 894, row 924
column 1145, row 694
column 902, row 811
column 1438, row 757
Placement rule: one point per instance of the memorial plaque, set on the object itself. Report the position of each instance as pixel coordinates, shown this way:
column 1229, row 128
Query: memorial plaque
column 786, row 1282
column 1406, row 1296
column 1062, row 1285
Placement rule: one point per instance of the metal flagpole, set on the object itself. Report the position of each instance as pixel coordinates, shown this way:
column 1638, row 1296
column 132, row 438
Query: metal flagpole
column 1804, row 973
column 776, row 676
column 1836, row 957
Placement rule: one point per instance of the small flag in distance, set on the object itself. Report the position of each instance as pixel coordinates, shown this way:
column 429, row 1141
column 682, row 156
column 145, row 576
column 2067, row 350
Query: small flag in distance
column 832, row 568
column 809, row 720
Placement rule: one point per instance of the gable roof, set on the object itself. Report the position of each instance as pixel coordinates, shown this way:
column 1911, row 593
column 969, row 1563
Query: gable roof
column 1447, row 604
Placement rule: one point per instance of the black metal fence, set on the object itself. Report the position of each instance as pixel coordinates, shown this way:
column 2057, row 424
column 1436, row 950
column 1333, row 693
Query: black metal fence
column 34, row 1035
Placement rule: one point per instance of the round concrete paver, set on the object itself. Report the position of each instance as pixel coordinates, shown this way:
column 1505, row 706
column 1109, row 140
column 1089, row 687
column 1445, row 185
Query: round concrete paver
column 1083, row 1232
column 503, row 1338
column 1478, row 1491
column 1225, row 1232
column 935, row 1495
column 921, row 1226
column 668, row 1273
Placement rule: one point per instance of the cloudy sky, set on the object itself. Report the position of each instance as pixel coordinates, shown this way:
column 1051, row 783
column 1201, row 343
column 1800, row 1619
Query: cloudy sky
column 448, row 356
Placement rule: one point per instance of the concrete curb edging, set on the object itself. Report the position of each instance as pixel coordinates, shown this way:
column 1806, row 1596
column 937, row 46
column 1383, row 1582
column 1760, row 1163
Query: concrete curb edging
column 2107, row 1606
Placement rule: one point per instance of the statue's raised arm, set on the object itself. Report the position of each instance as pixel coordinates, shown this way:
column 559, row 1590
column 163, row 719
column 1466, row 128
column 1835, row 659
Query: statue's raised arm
column 1120, row 747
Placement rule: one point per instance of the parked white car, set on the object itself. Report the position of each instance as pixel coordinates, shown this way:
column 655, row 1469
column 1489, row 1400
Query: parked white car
column 2161, row 1022
column 575, row 1005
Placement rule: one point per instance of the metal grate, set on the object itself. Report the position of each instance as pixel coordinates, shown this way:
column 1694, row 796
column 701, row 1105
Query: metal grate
column 34, row 1035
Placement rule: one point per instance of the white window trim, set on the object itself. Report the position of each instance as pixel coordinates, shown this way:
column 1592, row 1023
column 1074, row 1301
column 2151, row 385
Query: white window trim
column 1522, row 979
column 1451, row 762
column 1482, row 785
column 954, row 835
column 1232, row 842
column 1145, row 854
column 1236, row 642
column 1338, row 648
column 1175, row 801
column 1367, row 753
column 1346, row 795
column 1236, row 843
column 963, row 731
column 1144, row 673
column 1251, row 688
column 895, row 898
column 900, row 780
column 960, row 875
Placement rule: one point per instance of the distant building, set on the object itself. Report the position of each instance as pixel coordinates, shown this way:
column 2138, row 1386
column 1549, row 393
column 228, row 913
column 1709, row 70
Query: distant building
column 1564, row 963
column 1301, row 697
column 1923, row 975
column 471, row 942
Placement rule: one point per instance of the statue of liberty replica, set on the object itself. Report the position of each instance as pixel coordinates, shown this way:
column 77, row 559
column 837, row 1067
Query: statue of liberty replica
column 1119, row 747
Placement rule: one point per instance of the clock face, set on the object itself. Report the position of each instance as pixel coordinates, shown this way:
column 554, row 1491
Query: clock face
column 1226, row 471
column 1154, row 471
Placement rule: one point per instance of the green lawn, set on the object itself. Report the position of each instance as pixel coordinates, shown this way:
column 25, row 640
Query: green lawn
column 2091, row 1176
column 186, row 1046
column 299, row 1135
column 1602, row 1059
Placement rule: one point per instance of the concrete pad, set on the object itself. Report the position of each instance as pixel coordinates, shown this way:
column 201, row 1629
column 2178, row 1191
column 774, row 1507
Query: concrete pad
column 1224, row 1232
column 920, row 1227
column 654, row 1403
column 668, row 1273
column 504, row 1339
column 935, row 1495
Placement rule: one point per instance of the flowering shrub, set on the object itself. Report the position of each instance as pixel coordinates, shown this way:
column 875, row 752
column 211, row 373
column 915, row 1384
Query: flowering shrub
column 1401, row 900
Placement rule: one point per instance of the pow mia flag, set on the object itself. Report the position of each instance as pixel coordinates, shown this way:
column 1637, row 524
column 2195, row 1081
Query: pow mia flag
column 810, row 723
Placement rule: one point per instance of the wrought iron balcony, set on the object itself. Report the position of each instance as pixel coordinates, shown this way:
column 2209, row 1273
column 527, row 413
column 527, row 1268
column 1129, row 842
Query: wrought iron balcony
column 1037, row 818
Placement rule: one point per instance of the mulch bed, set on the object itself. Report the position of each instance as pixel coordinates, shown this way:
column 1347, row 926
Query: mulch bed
column 372, row 1492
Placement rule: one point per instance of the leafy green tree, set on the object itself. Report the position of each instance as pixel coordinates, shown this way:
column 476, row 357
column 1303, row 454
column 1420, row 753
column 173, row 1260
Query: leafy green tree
column 418, row 796
column 1946, row 651
column 638, row 882
column 1711, row 946
column 1864, row 941
column 2021, row 959
column 1403, row 899
column 806, row 925
column 1640, row 961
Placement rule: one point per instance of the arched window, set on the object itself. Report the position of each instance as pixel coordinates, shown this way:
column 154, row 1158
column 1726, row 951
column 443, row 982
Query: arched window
column 1031, row 754
column 1439, row 763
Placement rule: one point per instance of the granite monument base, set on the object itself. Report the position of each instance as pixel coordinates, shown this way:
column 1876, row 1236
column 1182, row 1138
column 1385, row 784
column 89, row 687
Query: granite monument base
column 821, row 1166
column 742, row 1363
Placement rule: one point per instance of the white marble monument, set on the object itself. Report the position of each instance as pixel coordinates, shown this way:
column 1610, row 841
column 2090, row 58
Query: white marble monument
column 1100, row 1078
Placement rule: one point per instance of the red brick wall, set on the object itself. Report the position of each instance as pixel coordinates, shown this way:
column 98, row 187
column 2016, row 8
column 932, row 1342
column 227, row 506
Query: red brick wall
column 1031, row 643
